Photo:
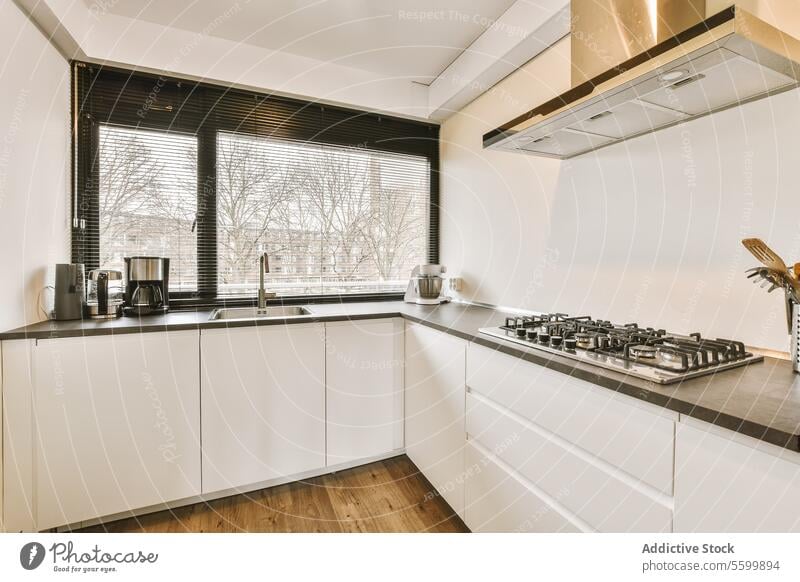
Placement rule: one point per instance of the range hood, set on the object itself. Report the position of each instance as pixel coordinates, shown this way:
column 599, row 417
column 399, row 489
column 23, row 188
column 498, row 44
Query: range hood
column 722, row 61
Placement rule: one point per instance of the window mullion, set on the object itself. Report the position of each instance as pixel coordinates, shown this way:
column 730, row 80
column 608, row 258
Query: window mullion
column 207, row 211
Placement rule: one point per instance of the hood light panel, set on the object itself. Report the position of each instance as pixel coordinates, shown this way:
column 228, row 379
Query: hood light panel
column 673, row 76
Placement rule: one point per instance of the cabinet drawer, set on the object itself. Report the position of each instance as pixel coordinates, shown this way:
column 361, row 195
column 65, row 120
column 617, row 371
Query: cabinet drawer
column 722, row 485
column 608, row 425
column 498, row 501
column 605, row 498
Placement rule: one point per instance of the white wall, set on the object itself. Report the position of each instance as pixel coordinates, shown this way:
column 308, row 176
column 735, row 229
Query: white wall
column 647, row 230
column 34, row 165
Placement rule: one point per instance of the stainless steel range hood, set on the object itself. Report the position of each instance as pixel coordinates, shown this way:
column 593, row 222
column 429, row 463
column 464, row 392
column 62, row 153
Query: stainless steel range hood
column 726, row 60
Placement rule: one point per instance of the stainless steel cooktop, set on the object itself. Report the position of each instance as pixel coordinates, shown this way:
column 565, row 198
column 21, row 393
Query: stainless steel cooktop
column 647, row 353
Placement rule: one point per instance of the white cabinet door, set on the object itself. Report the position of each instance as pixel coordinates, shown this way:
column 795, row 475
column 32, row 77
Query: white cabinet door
column 118, row 424
column 263, row 395
column 17, row 451
column 730, row 485
column 435, row 393
column 364, row 388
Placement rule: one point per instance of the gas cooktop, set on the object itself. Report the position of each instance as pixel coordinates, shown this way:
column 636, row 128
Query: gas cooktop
column 648, row 353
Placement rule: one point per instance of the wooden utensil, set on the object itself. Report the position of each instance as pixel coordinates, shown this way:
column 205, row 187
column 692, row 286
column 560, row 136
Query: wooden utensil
column 778, row 271
column 766, row 255
column 772, row 261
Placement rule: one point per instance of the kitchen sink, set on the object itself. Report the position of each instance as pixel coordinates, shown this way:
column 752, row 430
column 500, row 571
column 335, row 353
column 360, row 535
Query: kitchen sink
column 256, row 313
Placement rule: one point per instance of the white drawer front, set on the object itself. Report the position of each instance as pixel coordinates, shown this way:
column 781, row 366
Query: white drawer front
column 608, row 425
column 607, row 499
column 497, row 501
column 726, row 486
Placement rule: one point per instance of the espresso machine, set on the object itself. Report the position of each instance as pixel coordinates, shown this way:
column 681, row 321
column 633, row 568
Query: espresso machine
column 147, row 285
column 426, row 285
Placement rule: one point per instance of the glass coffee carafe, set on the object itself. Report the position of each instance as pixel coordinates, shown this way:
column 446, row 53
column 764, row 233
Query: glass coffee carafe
column 105, row 294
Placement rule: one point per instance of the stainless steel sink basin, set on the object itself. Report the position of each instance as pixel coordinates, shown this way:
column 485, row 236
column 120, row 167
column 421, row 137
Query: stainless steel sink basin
column 255, row 313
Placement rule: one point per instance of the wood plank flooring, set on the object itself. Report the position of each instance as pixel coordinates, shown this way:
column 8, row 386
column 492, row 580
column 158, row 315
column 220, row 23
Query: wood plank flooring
column 387, row 496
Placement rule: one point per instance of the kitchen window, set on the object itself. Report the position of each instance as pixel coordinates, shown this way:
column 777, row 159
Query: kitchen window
column 333, row 220
column 147, row 197
column 344, row 202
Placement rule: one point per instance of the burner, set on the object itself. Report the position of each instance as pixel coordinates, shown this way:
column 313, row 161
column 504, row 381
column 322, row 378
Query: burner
column 642, row 351
column 668, row 355
column 645, row 352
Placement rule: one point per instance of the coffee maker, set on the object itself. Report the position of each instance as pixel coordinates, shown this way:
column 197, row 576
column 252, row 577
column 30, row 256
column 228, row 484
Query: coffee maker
column 426, row 285
column 147, row 285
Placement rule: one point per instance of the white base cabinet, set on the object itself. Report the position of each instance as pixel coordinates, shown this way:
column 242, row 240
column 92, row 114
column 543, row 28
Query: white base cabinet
column 435, row 400
column 599, row 496
column 733, row 484
column 100, row 426
column 117, row 419
column 18, row 446
column 636, row 437
column 364, row 389
column 3, row 526
column 263, row 395
column 564, row 454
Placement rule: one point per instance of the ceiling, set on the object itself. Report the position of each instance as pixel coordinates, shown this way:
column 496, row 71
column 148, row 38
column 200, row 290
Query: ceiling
column 413, row 39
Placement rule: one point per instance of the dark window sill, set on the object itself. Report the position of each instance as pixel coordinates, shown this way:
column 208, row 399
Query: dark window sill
column 192, row 303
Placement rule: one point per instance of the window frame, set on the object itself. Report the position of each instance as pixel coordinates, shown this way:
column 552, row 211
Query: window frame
column 110, row 95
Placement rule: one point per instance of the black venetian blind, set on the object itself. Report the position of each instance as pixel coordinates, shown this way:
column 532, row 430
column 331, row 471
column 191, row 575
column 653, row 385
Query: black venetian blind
column 345, row 202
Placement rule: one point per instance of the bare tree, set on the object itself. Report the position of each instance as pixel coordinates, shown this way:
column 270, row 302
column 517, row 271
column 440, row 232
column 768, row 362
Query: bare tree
column 128, row 181
column 250, row 190
column 393, row 233
column 147, row 198
column 337, row 186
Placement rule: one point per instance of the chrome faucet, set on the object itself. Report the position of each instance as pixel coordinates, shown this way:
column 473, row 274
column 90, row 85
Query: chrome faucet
column 263, row 267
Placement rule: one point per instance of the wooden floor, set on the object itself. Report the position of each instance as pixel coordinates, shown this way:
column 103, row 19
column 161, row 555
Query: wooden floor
column 387, row 496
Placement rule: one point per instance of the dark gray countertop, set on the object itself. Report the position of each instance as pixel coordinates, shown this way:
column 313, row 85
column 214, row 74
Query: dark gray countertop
column 760, row 400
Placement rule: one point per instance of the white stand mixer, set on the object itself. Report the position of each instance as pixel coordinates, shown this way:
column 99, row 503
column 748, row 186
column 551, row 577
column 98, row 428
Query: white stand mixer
column 426, row 285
